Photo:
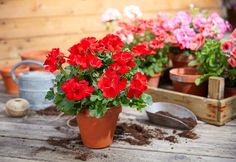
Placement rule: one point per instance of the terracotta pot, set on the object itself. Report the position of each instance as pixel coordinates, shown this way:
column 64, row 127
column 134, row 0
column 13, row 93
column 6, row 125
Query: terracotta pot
column 10, row 86
column 98, row 132
column 183, row 80
column 36, row 55
column 154, row 80
column 180, row 60
column 230, row 92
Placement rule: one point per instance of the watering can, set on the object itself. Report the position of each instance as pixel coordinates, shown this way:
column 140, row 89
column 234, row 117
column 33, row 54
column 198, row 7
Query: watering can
column 34, row 85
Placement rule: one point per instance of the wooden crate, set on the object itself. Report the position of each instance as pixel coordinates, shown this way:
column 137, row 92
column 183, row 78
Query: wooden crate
column 213, row 109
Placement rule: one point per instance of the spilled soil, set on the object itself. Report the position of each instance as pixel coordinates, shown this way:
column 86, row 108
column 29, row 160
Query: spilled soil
column 52, row 110
column 188, row 134
column 188, row 121
column 134, row 134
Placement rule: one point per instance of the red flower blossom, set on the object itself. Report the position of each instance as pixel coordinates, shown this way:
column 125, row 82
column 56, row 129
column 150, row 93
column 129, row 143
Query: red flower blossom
column 83, row 54
column 142, row 49
column 227, row 46
column 111, row 43
column 232, row 62
column 54, row 59
column 87, row 45
column 111, row 84
column 123, row 62
column 76, row 89
column 137, row 85
column 156, row 44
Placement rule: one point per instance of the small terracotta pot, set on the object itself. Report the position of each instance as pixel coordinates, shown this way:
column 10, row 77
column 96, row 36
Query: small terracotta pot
column 98, row 132
column 180, row 60
column 154, row 80
column 10, row 86
column 230, row 92
column 183, row 80
column 36, row 55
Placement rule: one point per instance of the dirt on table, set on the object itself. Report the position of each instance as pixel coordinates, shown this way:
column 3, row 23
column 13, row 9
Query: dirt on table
column 188, row 134
column 135, row 134
column 189, row 121
column 74, row 146
column 52, row 110
column 132, row 133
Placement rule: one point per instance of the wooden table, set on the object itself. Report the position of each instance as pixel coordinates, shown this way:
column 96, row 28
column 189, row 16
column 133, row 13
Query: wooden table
column 21, row 140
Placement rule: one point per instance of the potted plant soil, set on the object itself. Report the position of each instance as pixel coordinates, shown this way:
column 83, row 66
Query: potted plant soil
column 10, row 86
column 37, row 55
column 147, row 46
column 95, row 81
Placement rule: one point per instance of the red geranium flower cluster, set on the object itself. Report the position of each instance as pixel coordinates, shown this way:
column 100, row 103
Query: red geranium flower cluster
column 98, row 75
column 111, row 43
column 76, row 89
column 142, row 49
column 83, row 54
column 137, row 85
column 123, row 62
column 54, row 59
column 111, row 84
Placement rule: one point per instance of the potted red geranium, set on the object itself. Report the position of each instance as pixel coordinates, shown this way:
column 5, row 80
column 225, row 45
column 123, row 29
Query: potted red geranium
column 95, row 80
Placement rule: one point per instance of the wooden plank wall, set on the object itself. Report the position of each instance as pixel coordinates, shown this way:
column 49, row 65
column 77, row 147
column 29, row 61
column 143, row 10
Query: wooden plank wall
column 44, row 24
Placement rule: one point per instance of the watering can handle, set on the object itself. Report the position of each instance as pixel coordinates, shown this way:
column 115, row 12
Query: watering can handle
column 25, row 62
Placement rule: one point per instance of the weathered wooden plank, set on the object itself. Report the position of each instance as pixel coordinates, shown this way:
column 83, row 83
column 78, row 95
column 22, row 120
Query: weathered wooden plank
column 12, row 48
column 25, row 148
column 216, row 87
column 225, row 144
column 14, row 159
column 45, row 26
column 7, row 62
column 34, row 8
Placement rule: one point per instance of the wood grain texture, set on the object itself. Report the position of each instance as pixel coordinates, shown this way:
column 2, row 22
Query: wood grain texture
column 42, row 8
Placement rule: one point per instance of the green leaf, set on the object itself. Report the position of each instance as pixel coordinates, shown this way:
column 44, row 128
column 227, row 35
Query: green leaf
column 193, row 63
column 50, row 94
column 147, row 98
column 198, row 81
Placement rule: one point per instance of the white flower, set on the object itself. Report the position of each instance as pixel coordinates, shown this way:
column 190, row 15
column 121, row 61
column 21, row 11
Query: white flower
column 111, row 14
column 132, row 12
column 127, row 38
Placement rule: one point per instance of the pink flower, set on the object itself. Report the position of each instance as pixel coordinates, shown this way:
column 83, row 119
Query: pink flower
column 199, row 21
column 184, row 36
column 197, row 42
column 233, row 53
column 227, row 46
column 233, row 34
column 232, row 62
column 181, row 19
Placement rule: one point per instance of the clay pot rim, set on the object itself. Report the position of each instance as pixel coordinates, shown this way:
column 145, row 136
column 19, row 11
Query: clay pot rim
column 185, row 78
column 7, row 70
column 86, row 111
